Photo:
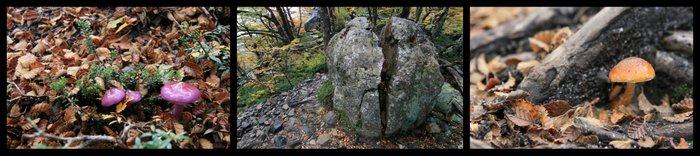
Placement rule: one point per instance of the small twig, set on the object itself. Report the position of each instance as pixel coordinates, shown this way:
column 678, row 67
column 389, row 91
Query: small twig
column 14, row 84
column 89, row 139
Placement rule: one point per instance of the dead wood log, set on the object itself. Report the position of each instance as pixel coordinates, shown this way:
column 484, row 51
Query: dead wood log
column 478, row 144
column 674, row 65
column 681, row 41
column 493, row 40
column 680, row 130
column 578, row 69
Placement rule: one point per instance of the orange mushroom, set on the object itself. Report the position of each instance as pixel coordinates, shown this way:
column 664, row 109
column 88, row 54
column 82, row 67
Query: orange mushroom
column 630, row 70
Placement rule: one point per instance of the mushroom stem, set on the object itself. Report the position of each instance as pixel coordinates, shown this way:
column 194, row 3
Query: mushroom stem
column 177, row 110
column 626, row 98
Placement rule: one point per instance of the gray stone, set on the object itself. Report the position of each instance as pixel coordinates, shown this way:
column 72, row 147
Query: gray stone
column 313, row 21
column 285, row 107
column 307, row 130
column 404, row 72
column 433, row 128
column 258, row 107
column 330, row 118
column 445, row 98
column 245, row 125
column 442, row 139
column 276, row 126
column 291, row 112
column 290, row 122
column 456, row 118
column 279, row 141
column 323, row 138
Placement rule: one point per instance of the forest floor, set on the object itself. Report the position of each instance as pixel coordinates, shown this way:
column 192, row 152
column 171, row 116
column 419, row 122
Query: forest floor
column 581, row 114
column 295, row 119
column 61, row 61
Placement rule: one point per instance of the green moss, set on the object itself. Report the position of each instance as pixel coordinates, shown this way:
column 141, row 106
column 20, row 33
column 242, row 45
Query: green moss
column 250, row 95
column 325, row 94
column 681, row 92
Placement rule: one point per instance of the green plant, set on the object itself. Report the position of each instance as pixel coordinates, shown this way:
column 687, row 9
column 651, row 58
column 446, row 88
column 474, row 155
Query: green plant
column 154, row 78
column 86, row 31
column 128, row 78
column 59, row 86
column 325, row 94
column 680, row 93
column 159, row 139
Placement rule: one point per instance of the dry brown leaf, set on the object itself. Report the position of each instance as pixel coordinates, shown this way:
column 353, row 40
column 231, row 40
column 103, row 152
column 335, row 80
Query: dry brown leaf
column 103, row 53
column 30, row 15
column 27, row 126
column 684, row 105
column 116, row 84
column 560, row 37
column 525, row 113
column 73, row 71
column 481, row 65
column 100, row 82
column 69, row 115
column 179, row 128
column 507, row 86
column 681, row 145
column 619, row 116
column 540, row 42
column 526, row 67
column 646, row 142
column 27, row 60
column 588, row 140
column 495, row 65
column 678, row 118
column 213, row 81
column 622, row 144
column 637, row 128
column 545, row 121
column 473, row 128
column 41, row 107
column 222, row 97
column 556, row 108
column 28, row 74
column 15, row 112
column 205, row 143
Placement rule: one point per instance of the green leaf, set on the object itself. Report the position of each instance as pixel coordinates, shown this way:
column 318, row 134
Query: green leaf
column 215, row 59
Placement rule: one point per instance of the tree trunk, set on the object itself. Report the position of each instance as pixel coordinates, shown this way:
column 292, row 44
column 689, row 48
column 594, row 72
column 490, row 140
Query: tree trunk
column 577, row 70
column 279, row 27
column 285, row 24
column 426, row 14
column 418, row 11
column 325, row 25
column 438, row 27
column 405, row 11
column 300, row 22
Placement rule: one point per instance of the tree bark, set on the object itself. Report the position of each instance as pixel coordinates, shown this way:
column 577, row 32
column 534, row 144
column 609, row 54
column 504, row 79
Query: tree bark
column 285, row 24
column 438, row 27
column 278, row 26
column 325, row 26
column 405, row 11
column 577, row 70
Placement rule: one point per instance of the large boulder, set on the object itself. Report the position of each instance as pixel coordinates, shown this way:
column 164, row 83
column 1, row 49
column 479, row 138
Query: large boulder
column 387, row 88
column 411, row 78
column 354, row 61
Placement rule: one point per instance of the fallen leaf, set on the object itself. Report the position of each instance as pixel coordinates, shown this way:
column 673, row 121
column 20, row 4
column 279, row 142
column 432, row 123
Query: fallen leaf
column 113, row 24
column 684, row 105
column 646, row 142
column 122, row 27
column 14, row 112
column 116, row 84
column 622, row 144
column 560, row 37
column 637, row 128
column 213, row 81
column 540, row 42
column 103, row 53
column 588, row 140
column 681, row 145
column 69, row 115
column 481, row 65
column 525, row 113
column 205, row 143
column 27, row 60
column 556, row 108
column 41, row 107
column 27, row 126
column 526, row 67
column 72, row 71
column 678, row 118
column 179, row 128
column 100, row 82
column 619, row 116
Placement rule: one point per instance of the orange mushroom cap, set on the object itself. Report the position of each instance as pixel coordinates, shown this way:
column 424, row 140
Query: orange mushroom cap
column 632, row 70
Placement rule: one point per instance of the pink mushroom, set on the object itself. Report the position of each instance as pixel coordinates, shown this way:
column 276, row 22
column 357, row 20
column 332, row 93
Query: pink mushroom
column 112, row 96
column 135, row 96
column 180, row 94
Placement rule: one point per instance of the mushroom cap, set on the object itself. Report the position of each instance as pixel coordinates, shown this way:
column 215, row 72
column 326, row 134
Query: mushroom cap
column 136, row 96
column 632, row 70
column 112, row 96
column 180, row 93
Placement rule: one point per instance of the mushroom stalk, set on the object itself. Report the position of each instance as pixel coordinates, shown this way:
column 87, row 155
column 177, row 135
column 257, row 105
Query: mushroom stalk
column 626, row 98
column 177, row 110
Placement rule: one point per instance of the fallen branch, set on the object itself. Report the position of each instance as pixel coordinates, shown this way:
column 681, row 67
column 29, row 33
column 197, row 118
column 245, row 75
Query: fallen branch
column 674, row 65
column 478, row 144
column 88, row 139
column 587, row 126
column 680, row 130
